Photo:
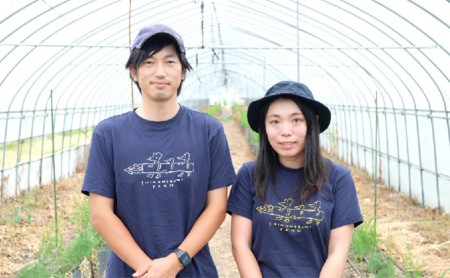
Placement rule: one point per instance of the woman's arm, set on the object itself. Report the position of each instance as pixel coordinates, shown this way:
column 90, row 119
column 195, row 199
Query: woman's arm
column 338, row 246
column 241, row 240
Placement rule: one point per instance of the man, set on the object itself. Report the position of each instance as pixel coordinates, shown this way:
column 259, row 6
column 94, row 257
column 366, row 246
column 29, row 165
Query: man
column 157, row 176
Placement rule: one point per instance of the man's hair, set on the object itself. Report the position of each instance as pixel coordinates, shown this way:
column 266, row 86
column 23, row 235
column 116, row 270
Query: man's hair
column 152, row 46
column 315, row 168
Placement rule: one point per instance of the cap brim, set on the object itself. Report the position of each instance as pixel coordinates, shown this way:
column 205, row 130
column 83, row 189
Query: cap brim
column 146, row 38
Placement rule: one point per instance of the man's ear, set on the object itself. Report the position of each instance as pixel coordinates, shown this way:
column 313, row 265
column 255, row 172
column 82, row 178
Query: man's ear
column 133, row 73
column 183, row 74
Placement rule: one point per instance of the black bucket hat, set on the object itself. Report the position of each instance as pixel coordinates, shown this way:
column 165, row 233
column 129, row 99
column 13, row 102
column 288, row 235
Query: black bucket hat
column 289, row 88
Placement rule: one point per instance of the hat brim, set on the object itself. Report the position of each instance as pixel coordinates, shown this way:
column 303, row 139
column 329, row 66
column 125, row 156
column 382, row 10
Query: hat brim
column 147, row 37
column 320, row 109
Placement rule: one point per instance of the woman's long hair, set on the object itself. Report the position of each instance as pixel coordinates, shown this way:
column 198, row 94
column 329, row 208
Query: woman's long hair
column 315, row 169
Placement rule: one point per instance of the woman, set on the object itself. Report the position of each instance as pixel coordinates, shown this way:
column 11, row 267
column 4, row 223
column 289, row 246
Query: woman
column 293, row 211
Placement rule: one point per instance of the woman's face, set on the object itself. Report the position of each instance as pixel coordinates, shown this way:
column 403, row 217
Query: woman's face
column 286, row 130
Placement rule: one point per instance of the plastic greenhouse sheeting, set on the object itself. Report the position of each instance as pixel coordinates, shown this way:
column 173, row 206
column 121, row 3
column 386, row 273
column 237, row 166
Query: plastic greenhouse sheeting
column 381, row 66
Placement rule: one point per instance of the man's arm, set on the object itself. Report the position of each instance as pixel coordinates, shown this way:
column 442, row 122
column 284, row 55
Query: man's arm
column 338, row 246
column 114, row 232
column 241, row 240
column 203, row 230
column 209, row 221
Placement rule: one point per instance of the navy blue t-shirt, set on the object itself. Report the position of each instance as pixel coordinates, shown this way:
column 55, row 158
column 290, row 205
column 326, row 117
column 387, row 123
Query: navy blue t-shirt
column 289, row 239
column 158, row 174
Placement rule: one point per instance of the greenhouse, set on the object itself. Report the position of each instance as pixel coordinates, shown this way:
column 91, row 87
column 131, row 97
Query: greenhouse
column 382, row 67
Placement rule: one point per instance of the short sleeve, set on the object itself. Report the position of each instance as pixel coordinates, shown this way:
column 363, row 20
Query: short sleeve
column 346, row 206
column 242, row 193
column 222, row 170
column 99, row 176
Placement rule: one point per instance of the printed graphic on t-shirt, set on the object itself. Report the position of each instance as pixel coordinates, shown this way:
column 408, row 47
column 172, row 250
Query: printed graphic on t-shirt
column 291, row 218
column 161, row 172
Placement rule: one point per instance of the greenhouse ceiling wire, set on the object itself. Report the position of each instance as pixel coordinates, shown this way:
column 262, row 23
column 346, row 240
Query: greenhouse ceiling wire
column 368, row 60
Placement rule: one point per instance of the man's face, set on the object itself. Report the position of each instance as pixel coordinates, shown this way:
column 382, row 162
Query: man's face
column 160, row 75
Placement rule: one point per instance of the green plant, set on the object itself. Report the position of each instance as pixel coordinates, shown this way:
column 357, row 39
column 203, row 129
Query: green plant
column 17, row 216
column 48, row 245
column 214, row 110
column 240, row 113
column 73, row 255
column 364, row 247
column 380, row 266
column 412, row 264
column 30, row 201
column 15, row 213
column 34, row 270
column 364, row 241
column 55, row 260
column 28, row 215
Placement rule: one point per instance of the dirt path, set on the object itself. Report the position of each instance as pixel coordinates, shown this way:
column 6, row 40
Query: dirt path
column 414, row 236
column 220, row 245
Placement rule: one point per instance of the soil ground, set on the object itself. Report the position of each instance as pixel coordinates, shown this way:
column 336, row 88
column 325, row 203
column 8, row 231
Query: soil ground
column 416, row 237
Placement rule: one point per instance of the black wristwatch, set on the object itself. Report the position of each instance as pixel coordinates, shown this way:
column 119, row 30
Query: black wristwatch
column 183, row 257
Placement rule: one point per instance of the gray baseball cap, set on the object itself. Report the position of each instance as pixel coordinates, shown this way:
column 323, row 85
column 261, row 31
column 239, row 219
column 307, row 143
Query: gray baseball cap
column 150, row 30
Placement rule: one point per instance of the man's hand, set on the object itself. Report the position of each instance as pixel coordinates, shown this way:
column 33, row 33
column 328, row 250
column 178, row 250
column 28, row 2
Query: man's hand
column 167, row 267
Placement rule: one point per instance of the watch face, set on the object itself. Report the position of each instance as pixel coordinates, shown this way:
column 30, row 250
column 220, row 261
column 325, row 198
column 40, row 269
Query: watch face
column 183, row 256
column 185, row 260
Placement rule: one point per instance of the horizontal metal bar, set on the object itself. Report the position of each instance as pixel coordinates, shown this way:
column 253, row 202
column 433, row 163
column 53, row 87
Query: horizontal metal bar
column 395, row 159
column 235, row 47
